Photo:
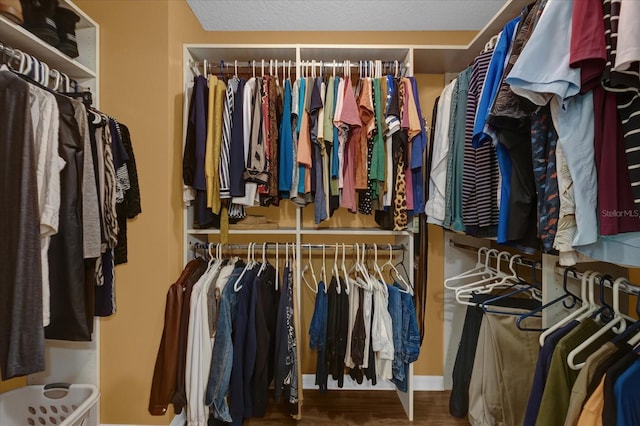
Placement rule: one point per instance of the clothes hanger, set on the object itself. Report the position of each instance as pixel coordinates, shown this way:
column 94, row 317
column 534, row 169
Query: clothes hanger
column 605, row 312
column 617, row 325
column 376, row 267
column 277, row 266
column 364, row 279
column 398, row 277
column 593, row 305
column 335, row 272
column 481, row 268
column 263, row 266
column 510, row 281
column 563, row 298
column 236, row 286
column 466, row 289
column 344, row 269
column 309, row 266
column 630, row 334
column 586, row 305
column 323, row 270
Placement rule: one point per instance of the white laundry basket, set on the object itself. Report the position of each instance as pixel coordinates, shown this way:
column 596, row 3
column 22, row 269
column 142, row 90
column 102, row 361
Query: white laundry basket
column 56, row 404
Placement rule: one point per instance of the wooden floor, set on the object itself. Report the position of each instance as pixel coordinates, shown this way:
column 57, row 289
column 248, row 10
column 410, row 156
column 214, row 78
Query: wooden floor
column 365, row 408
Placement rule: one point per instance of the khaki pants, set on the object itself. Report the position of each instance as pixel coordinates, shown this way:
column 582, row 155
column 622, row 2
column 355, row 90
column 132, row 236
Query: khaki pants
column 503, row 371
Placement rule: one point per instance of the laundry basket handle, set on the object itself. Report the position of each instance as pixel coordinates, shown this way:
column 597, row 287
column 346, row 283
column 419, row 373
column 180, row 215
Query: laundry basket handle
column 56, row 390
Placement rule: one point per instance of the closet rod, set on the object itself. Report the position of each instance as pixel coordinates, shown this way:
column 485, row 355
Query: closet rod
column 631, row 288
column 520, row 260
column 272, row 246
column 9, row 51
column 309, row 63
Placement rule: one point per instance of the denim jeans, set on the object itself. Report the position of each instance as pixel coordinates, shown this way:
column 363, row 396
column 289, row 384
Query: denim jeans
column 222, row 356
column 395, row 310
column 408, row 349
column 318, row 336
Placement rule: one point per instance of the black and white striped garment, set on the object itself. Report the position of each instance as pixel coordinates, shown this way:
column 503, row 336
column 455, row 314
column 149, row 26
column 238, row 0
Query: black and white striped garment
column 480, row 171
column 123, row 184
column 626, row 84
column 225, row 180
column 110, row 215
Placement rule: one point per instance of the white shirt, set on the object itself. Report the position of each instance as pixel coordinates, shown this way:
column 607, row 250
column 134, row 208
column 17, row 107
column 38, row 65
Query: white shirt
column 382, row 333
column 45, row 120
column 628, row 49
column 435, row 206
column 250, row 188
column 200, row 342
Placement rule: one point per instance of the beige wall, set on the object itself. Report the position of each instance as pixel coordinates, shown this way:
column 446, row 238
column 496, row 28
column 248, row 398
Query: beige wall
column 141, row 85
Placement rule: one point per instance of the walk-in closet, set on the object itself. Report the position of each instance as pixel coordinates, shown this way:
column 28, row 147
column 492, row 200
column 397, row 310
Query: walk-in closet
column 319, row 212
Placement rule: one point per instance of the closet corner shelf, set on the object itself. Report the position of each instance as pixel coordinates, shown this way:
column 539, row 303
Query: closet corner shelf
column 276, row 231
column 19, row 38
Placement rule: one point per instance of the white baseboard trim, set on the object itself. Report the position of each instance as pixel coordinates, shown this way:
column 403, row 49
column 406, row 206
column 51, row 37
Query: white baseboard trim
column 420, row 383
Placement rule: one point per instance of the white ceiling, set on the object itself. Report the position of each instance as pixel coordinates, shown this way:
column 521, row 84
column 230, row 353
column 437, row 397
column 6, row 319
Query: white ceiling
column 344, row 15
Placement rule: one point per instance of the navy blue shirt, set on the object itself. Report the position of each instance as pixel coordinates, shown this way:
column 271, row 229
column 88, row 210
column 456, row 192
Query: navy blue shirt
column 542, row 370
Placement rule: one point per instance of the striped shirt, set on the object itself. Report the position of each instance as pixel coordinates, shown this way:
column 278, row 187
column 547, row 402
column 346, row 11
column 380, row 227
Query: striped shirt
column 227, row 127
column 480, row 174
column 626, row 85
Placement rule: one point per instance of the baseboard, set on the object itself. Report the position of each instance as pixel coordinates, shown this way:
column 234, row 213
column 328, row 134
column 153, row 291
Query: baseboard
column 420, row 383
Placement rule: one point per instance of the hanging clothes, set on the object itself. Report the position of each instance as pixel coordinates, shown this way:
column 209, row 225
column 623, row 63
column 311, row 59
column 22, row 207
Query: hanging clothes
column 21, row 313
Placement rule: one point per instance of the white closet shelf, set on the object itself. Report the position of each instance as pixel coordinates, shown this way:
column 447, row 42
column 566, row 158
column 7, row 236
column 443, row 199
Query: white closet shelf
column 20, row 38
column 353, row 53
column 241, row 53
column 276, row 231
column 352, row 231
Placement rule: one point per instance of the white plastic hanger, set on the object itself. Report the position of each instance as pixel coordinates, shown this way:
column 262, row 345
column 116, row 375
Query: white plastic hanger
column 323, row 270
column 482, row 268
column 376, row 267
column 584, row 308
column 264, row 259
column 617, row 324
column 277, row 266
column 309, row 266
column 479, row 283
column 236, row 286
column 344, row 269
column 335, row 272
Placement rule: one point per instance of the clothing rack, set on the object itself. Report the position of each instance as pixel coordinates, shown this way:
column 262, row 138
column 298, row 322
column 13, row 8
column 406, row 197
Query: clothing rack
column 9, row 51
column 630, row 288
column 365, row 66
column 520, row 260
column 41, row 71
column 272, row 246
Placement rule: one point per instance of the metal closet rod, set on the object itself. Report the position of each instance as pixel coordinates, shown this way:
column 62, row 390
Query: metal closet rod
column 631, row 288
column 521, row 260
column 272, row 246
column 9, row 51
column 305, row 63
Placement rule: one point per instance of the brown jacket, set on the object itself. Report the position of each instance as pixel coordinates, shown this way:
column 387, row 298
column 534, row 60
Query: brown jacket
column 172, row 348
